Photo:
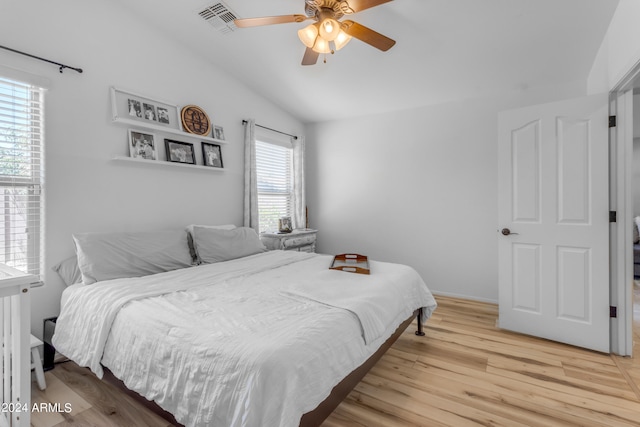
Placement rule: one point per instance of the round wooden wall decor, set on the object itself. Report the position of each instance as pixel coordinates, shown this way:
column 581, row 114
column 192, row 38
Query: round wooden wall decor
column 195, row 120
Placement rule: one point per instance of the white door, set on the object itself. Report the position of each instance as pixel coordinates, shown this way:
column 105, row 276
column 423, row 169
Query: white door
column 553, row 246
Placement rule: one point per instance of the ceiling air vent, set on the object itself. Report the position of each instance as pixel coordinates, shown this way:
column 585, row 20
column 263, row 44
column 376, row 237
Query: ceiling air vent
column 220, row 17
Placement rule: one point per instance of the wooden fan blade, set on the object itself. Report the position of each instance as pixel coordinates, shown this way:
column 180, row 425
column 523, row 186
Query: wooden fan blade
column 367, row 35
column 310, row 57
column 269, row 20
column 360, row 5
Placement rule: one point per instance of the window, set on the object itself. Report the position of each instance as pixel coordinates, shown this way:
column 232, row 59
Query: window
column 275, row 185
column 21, row 124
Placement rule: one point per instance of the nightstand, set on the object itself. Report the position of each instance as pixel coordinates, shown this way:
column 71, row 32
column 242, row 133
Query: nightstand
column 301, row 240
column 49, row 329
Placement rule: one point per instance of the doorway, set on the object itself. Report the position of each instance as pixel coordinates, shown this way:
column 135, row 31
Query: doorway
column 630, row 130
column 635, row 203
column 625, row 201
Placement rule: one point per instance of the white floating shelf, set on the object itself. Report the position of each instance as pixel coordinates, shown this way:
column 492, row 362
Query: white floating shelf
column 163, row 163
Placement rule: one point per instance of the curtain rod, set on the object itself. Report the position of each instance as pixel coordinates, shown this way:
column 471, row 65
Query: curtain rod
column 244, row 122
column 62, row 66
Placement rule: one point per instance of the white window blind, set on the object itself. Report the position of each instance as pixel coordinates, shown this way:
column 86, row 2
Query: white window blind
column 275, row 187
column 21, row 138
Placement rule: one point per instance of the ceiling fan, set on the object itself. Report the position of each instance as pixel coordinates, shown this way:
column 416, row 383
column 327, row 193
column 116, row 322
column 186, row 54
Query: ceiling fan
column 327, row 34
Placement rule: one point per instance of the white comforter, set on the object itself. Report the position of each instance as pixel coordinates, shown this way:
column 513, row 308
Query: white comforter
column 252, row 342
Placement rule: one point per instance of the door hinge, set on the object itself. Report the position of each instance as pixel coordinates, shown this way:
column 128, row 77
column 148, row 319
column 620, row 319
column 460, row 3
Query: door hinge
column 612, row 121
column 613, row 216
column 613, row 311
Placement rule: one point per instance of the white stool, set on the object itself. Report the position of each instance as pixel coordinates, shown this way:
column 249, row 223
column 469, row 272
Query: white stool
column 36, row 362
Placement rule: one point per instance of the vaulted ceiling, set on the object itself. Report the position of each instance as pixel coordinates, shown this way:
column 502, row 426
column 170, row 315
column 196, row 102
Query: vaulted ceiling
column 446, row 50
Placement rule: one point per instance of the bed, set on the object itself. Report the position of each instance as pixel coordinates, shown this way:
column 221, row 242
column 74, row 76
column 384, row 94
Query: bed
column 257, row 339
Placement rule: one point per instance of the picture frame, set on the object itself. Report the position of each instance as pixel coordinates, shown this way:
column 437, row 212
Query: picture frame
column 285, row 225
column 142, row 145
column 132, row 107
column 218, row 133
column 180, row 152
column 212, row 155
column 149, row 112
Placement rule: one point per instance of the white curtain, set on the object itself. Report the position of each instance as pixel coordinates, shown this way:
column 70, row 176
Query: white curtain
column 251, row 218
column 299, row 213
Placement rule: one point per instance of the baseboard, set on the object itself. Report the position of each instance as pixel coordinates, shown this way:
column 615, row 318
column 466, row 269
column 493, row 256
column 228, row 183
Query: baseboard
column 467, row 297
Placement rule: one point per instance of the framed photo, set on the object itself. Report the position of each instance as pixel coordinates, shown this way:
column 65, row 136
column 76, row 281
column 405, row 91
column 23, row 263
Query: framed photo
column 163, row 115
column 142, row 145
column 149, row 111
column 284, row 225
column 211, row 155
column 134, row 108
column 218, row 133
column 180, row 152
column 129, row 106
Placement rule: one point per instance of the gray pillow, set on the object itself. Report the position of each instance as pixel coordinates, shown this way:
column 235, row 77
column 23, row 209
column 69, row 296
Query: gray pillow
column 215, row 245
column 105, row 256
column 68, row 271
column 636, row 235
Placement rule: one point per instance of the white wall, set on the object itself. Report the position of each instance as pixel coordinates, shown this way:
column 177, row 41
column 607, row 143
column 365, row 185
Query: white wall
column 86, row 190
column 619, row 50
column 417, row 187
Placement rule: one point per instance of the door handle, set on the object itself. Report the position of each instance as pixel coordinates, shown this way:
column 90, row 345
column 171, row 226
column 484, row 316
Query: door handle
column 506, row 232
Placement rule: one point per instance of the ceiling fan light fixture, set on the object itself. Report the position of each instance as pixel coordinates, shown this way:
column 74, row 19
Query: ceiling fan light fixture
column 342, row 40
column 329, row 29
column 321, row 46
column 328, row 33
column 308, row 35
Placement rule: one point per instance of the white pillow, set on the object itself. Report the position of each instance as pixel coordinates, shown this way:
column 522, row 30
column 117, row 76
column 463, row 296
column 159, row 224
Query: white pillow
column 192, row 246
column 215, row 245
column 68, row 271
column 105, row 256
column 636, row 228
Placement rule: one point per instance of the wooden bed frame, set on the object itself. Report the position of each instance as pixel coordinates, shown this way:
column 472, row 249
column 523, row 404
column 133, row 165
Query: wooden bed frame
column 323, row 410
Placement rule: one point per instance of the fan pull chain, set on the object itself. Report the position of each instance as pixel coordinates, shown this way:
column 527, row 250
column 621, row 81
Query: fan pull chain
column 325, row 56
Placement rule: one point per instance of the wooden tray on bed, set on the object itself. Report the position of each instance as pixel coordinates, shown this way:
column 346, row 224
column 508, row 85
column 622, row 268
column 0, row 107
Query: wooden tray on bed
column 351, row 263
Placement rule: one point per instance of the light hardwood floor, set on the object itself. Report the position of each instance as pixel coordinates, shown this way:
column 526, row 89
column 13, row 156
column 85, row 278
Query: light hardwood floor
column 465, row 372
